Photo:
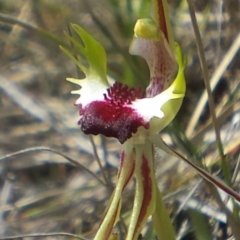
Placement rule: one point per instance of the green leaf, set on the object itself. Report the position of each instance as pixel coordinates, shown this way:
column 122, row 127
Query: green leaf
column 200, row 226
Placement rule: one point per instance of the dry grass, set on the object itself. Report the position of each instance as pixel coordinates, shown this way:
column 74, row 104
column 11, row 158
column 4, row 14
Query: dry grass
column 41, row 191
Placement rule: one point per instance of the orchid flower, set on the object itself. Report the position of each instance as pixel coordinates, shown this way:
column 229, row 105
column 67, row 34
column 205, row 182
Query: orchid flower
column 134, row 116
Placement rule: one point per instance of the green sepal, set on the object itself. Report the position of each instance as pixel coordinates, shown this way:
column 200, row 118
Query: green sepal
column 179, row 84
column 89, row 48
column 160, row 14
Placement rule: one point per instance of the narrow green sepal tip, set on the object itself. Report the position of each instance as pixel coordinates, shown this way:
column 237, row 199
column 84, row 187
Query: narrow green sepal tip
column 86, row 46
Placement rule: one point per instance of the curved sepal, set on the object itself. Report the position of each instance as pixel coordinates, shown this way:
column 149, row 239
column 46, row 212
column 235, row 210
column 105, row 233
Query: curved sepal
column 145, row 195
column 161, row 17
column 125, row 173
column 92, row 50
column 161, row 220
column 95, row 84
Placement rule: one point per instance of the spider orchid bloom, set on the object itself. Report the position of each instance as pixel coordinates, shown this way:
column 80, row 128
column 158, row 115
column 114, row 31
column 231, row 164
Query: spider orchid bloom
column 133, row 116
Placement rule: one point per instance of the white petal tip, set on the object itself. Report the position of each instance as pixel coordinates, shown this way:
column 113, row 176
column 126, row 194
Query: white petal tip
column 77, row 102
column 75, row 92
column 73, row 80
column 159, row 114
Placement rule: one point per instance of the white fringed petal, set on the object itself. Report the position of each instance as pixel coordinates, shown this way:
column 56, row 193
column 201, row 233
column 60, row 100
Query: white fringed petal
column 92, row 89
column 157, row 111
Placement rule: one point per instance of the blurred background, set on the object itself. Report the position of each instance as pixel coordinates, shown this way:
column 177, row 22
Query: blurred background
column 41, row 191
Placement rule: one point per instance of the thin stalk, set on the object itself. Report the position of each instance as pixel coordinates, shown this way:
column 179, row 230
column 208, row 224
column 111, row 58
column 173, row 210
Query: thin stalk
column 43, row 148
column 106, row 180
column 206, row 175
column 209, row 92
column 8, row 19
column 43, row 235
